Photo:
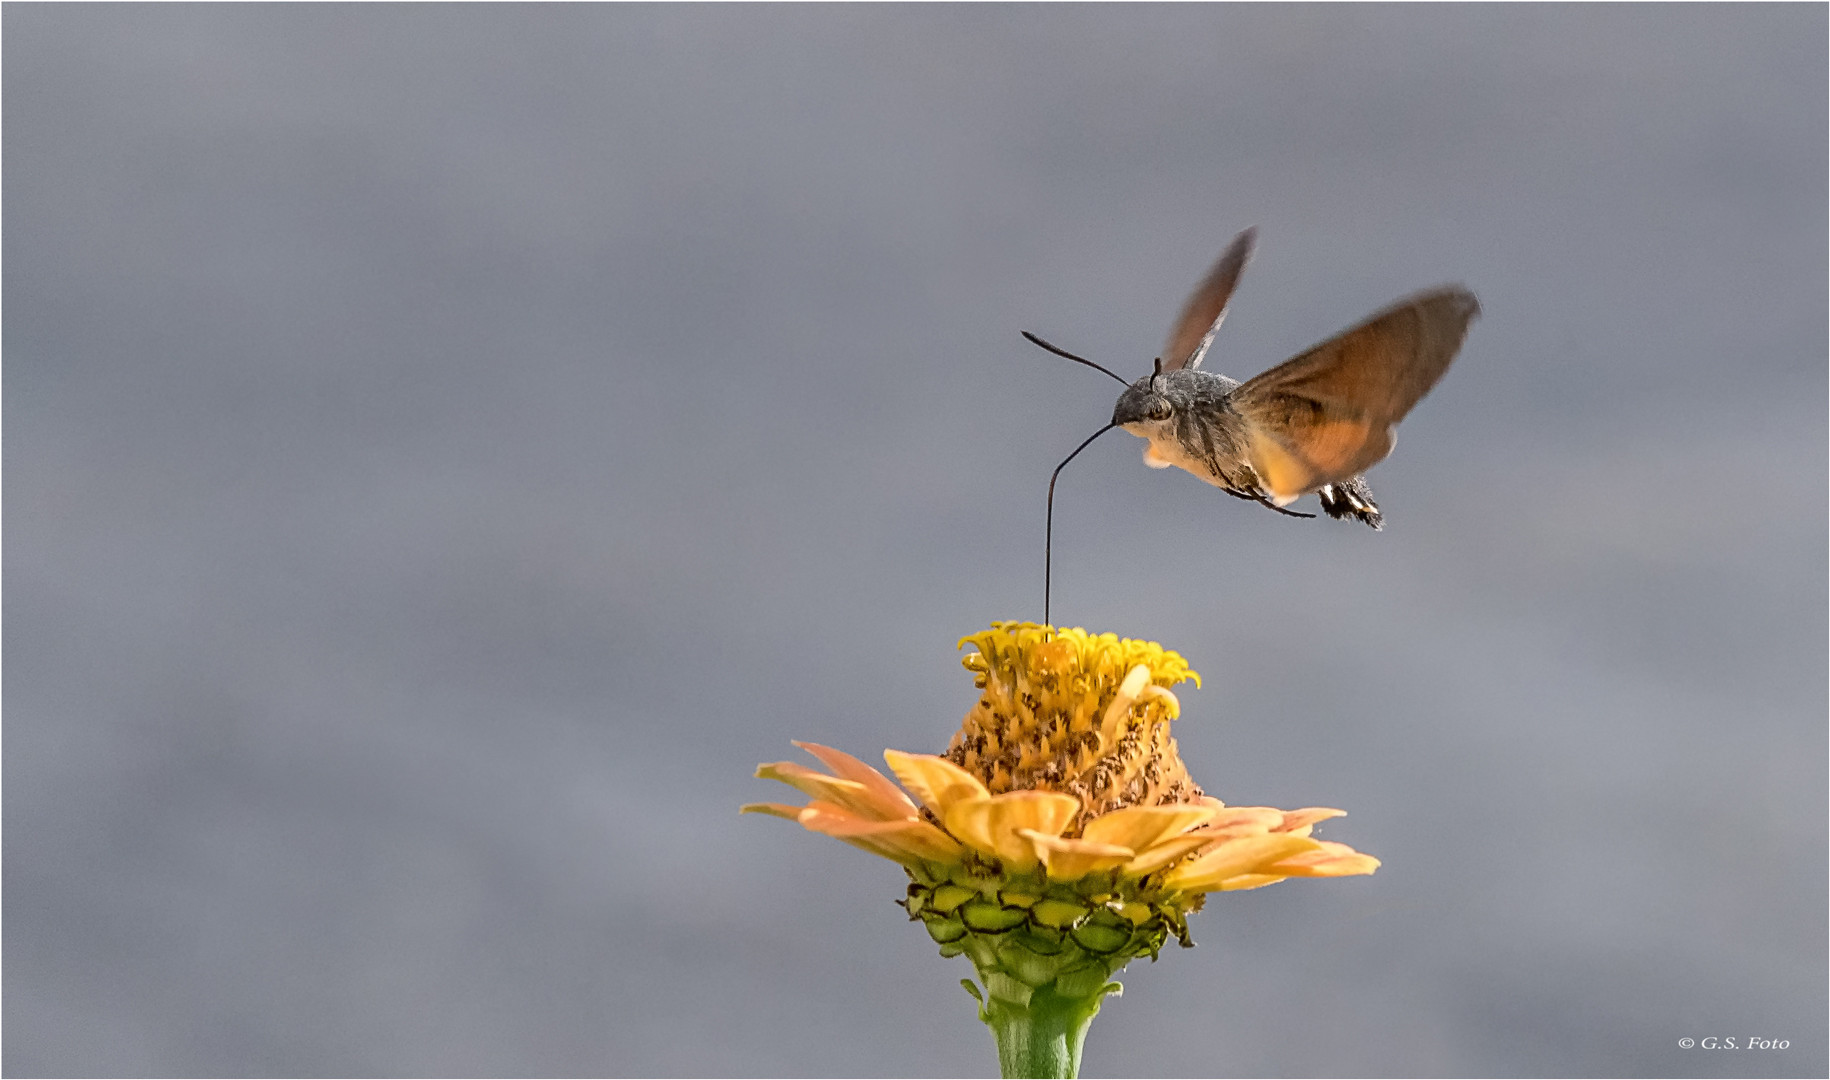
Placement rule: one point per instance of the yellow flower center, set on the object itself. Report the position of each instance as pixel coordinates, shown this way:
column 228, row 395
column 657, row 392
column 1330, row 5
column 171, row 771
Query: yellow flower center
column 1063, row 710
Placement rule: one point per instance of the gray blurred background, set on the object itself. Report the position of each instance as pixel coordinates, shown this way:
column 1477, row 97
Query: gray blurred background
column 447, row 448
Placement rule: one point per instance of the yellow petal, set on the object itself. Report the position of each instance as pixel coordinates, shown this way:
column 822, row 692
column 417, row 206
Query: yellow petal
column 1249, row 881
column 937, row 782
column 1163, row 694
column 1163, row 853
column 907, row 842
column 970, row 821
column 1111, row 726
column 1247, row 855
column 1071, row 860
column 1138, row 827
column 846, row 767
column 1343, row 866
column 1044, row 811
column 991, row 825
column 780, row 810
column 1329, row 860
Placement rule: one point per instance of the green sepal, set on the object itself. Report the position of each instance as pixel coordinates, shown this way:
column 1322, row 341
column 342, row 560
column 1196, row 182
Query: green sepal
column 990, row 918
column 942, row 929
column 982, row 950
column 1042, row 941
column 1027, row 967
column 1057, row 914
column 1103, row 932
column 1083, row 981
column 948, row 897
column 1045, row 952
column 972, row 988
column 1002, row 986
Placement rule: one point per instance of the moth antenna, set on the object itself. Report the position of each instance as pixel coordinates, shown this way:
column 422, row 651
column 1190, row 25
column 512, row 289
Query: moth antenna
column 1048, row 543
column 1034, row 340
column 1156, row 377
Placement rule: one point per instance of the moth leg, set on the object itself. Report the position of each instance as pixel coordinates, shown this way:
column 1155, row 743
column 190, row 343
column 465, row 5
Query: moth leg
column 1259, row 498
column 1352, row 498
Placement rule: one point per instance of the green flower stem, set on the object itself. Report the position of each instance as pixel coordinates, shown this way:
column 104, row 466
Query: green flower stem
column 1043, row 1037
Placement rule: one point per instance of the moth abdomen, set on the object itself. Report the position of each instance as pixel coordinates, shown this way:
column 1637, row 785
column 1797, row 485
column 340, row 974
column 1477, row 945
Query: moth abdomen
column 1351, row 499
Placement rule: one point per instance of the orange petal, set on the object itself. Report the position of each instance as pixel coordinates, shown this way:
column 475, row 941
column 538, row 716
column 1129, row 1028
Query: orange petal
column 937, row 782
column 991, row 825
column 1247, row 855
column 1071, row 860
column 843, row 765
column 847, row 793
column 780, row 810
column 1138, row 827
column 907, row 842
column 1237, row 822
column 835, row 821
column 810, row 782
column 1297, row 820
column 1246, row 818
column 1163, row 853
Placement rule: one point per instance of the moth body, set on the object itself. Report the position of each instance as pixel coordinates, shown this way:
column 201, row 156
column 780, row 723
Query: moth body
column 1190, row 424
column 1312, row 424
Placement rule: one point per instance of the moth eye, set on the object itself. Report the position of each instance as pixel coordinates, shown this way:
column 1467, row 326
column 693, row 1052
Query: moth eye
column 1160, row 410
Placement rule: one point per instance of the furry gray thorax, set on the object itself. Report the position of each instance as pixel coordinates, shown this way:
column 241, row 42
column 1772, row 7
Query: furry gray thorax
column 1190, row 423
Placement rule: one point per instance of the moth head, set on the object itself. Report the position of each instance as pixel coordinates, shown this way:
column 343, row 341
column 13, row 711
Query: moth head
column 1144, row 406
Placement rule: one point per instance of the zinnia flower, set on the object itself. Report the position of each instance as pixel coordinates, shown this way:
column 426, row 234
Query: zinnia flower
column 1060, row 836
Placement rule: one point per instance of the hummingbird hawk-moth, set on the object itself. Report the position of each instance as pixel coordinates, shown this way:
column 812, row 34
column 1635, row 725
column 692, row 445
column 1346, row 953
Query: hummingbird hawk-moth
column 1314, row 423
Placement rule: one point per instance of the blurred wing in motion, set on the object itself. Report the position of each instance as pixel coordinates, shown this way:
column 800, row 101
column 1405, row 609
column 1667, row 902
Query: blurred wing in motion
column 1327, row 415
column 1205, row 310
